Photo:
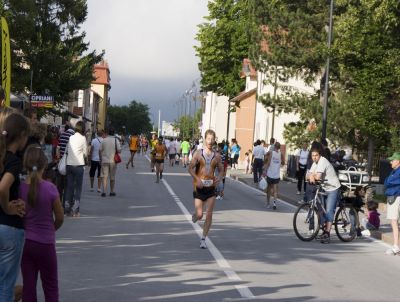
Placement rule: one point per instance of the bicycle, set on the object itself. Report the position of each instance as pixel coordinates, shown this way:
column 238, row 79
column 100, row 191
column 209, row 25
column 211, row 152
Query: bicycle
column 308, row 218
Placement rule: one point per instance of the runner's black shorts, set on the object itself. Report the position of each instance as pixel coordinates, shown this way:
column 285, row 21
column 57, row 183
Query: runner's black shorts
column 172, row 156
column 159, row 161
column 94, row 165
column 272, row 181
column 204, row 193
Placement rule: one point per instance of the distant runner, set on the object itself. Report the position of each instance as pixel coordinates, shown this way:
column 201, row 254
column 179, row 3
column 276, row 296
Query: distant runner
column 160, row 151
column 133, row 147
column 153, row 143
column 185, row 146
column 202, row 168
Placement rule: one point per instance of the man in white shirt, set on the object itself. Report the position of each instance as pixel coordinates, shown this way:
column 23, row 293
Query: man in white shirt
column 322, row 170
column 258, row 160
column 95, row 163
column 109, row 147
column 301, row 167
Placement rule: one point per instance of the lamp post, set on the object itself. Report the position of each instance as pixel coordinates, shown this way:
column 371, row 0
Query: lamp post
column 326, row 90
column 273, row 109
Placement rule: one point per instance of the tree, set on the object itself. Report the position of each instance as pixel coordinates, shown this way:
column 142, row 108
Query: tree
column 48, row 45
column 188, row 125
column 223, row 46
column 368, row 51
column 134, row 118
column 364, row 83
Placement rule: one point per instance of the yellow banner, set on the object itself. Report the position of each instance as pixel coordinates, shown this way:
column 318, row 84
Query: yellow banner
column 5, row 61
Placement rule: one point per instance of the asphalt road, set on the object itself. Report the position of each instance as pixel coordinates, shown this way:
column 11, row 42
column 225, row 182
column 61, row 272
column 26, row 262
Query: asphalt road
column 142, row 246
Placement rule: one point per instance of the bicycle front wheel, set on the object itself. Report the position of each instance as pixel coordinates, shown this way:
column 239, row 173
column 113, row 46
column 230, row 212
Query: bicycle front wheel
column 306, row 222
column 346, row 222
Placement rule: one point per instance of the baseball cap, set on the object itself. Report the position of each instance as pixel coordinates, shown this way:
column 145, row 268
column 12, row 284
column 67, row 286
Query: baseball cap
column 395, row 156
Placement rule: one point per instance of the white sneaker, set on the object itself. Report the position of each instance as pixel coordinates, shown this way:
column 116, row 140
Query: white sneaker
column 98, row 190
column 393, row 251
column 298, row 193
column 274, row 206
column 268, row 205
column 203, row 244
column 366, row 233
column 217, row 198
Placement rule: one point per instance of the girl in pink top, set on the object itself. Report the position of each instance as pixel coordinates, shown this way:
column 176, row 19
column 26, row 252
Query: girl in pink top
column 42, row 202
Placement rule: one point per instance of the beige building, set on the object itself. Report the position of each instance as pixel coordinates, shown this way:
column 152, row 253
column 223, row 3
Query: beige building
column 101, row 86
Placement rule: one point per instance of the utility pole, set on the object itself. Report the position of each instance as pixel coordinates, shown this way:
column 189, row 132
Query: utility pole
column 326, row 90
column 159, row 123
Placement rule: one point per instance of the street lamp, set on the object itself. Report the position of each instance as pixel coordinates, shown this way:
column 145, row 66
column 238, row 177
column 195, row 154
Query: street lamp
column 326, row 90
column 273, row 109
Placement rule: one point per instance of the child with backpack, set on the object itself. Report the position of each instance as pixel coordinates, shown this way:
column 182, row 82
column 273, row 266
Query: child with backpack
column 42, row 201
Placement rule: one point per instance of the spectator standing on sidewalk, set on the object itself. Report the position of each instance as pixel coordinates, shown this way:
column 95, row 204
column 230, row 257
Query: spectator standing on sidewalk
column 62, row 144
column 95, row 164
column 77, row 156
column 42, row 201
column 235, row 152
column 258, row 161
column 109, row 147
column 271, row 145
column 392, row 185
column 14, row 131
column 301, row 168
column 326, row 152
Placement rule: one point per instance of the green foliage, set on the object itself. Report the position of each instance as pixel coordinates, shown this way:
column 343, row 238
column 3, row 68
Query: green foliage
column 135, row 118
column 46, row 39
column 223, row 46
column 189, row 125
column 365, row 68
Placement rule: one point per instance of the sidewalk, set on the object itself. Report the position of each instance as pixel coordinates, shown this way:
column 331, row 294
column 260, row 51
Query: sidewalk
column 287, row 192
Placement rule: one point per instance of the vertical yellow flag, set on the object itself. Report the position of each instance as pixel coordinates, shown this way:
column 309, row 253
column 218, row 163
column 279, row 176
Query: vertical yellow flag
column 5, row 61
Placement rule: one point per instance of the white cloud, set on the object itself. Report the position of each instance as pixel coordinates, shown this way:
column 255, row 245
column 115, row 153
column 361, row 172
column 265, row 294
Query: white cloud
column 150, row 39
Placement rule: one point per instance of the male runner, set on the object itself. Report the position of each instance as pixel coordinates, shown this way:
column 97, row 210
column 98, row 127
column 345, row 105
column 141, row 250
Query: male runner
column 202, row 168
column 273, row 164
column 185, row 146
column 153, row 144
column 160, row 151
column 133, row 147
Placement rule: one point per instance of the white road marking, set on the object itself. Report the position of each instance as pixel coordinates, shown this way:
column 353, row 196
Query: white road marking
column 243, row 290
column 164, row 173
column 289, row 205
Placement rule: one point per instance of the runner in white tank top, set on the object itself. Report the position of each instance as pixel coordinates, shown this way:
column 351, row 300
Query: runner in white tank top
column 274, row 169
column 273, row 165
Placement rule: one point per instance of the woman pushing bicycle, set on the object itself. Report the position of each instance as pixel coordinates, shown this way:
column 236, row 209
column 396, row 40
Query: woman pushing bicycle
column 322, row 170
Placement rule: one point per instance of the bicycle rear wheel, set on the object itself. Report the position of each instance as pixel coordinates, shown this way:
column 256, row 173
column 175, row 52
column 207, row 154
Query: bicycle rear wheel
column 306, row 222
column 346, row 222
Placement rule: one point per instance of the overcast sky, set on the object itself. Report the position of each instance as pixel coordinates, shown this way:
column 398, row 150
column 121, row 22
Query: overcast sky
column 149, row 47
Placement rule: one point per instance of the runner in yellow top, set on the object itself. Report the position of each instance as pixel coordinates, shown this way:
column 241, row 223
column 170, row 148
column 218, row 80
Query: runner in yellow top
column 202, row 168
column 160, row 152
column 153, row 143
column 133, row 147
